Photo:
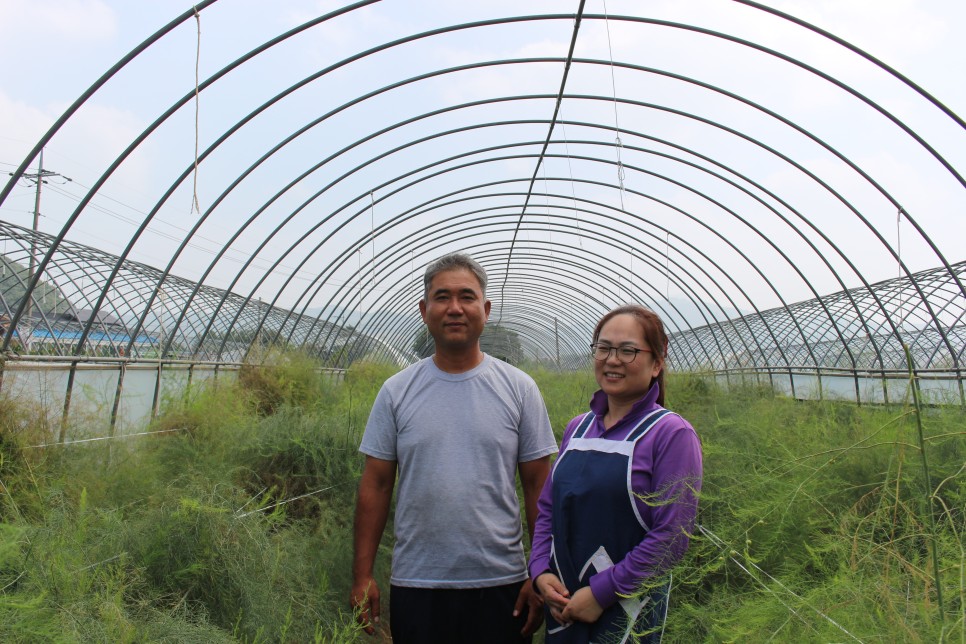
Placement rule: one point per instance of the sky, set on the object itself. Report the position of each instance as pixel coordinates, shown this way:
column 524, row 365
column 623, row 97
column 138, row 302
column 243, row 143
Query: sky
column 55, row 49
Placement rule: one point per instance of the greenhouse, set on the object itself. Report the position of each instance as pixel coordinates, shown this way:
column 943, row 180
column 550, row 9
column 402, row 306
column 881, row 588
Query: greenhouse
column 198, row 191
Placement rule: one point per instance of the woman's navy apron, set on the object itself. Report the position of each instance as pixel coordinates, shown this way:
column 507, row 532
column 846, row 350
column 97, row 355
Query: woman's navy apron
column 595, row 522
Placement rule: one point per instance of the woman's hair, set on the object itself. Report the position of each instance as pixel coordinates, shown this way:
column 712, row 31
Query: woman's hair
column 654, row 335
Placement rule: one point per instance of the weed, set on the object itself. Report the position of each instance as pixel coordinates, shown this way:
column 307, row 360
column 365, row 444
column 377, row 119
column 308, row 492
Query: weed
column 236, row 524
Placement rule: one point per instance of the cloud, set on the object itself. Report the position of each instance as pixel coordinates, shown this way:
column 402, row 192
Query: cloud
column 24, row 125
column 83, row 148
column 54, row 22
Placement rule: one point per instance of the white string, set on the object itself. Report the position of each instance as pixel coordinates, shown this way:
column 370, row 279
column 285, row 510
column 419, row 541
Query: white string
column 101, row 562
column 372, row 223
column 194, row 200
column 617, row 127
column 13, row 582
column 902, row 290
column 260, row 492
column 667, row 265
column 573, row 191
column 724, row 546
column 105, row 438
column 631, row 274
column 280, row 503
column 546, row 195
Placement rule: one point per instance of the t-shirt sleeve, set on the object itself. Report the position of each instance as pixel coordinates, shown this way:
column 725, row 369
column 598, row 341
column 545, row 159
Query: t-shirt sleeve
column 536, row 435
column 379, row 439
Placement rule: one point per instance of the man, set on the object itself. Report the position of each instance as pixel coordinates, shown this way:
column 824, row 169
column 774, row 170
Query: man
column 457, row 426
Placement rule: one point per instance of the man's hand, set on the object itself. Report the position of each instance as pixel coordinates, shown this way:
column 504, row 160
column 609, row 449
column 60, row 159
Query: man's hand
column 365, row 599
column 583, row 607
column 372, row 511
column 535, row 615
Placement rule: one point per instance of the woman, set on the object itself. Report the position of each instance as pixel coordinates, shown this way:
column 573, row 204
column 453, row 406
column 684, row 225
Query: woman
column 617, row 511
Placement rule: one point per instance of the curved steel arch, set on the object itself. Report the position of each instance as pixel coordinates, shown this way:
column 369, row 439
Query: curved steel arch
column 471, row 25
column 839, row 155
column 585, row 262
column 756, row 142
column 397, row 179
column 921, row 307
column 587, row 317
column 138, row 140
column 264, row 157
column 345, row 253
column 348, row 253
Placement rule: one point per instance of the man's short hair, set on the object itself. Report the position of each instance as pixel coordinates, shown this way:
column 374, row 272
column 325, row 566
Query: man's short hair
column 454, row 261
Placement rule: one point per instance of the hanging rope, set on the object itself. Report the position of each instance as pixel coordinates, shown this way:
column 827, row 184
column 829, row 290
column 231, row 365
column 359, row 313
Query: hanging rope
column 546, row 196
column 543, row 152
column 195, row 207
column 372, row 234
column 667, row 266
column 902, row 290
column 630, row 263
column 573, row 190
column 617, row 128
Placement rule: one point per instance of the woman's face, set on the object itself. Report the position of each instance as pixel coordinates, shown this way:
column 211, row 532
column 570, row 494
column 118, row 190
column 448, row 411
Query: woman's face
column 625, row 382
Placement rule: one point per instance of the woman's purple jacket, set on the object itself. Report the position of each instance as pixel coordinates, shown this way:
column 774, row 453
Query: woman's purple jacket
column 667, row 461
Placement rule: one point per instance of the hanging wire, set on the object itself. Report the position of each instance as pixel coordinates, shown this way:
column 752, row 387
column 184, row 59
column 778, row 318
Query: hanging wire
column 372, row 233
column 195, row 207
column 631, row 273
column 546, row 195
column 543, row 152
column 667, row 265
column 902, row 290
column 573, row 190
column 617, row 128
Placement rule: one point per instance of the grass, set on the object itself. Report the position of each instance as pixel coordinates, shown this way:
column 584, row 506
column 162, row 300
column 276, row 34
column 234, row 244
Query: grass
column 815, row 523
column 818, row 522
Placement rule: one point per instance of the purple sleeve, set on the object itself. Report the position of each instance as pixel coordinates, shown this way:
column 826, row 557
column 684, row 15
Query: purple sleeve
column 540, row 542
column 675, row 482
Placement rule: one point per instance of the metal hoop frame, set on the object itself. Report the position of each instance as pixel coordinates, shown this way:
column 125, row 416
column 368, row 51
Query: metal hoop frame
column 728, row 241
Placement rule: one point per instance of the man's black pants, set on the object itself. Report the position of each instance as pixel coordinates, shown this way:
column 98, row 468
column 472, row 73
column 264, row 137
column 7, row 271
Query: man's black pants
column 456, row 615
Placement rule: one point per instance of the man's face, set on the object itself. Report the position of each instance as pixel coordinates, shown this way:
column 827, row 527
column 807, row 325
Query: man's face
column 455, row 310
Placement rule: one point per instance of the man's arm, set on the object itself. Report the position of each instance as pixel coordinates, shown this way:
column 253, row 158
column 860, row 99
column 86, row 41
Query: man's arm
column 532, row 476
column 372, row 511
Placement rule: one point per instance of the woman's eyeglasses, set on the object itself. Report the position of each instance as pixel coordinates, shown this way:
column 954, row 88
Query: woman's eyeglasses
column 626, row 355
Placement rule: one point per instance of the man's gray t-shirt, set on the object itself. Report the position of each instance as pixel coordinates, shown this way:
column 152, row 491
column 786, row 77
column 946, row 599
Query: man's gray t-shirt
column 457, row 439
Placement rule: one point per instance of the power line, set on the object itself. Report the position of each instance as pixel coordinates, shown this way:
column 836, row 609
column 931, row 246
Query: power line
column 242, row 254
column 39, row 178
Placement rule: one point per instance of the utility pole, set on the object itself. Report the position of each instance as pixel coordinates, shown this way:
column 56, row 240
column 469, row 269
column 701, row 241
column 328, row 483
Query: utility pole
column 39, row 178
